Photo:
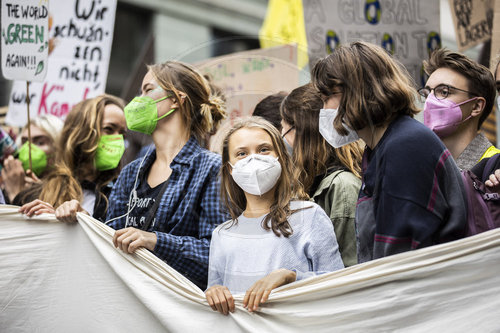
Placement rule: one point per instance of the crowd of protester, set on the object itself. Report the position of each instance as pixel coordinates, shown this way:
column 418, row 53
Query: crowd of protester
column 340, row 173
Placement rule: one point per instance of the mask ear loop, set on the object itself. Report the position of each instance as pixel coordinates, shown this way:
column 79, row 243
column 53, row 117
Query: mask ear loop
column 470, row 116
column 132, row 198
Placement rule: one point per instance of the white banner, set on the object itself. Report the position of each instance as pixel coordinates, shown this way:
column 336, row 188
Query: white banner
column 409, row 29
column 25, row 39
column 81, row 33
column 58, row 277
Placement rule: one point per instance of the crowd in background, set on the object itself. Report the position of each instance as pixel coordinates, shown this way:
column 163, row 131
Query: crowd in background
column 332, row 174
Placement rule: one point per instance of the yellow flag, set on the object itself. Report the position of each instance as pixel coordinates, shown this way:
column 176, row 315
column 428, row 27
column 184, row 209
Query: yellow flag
column 284, row 24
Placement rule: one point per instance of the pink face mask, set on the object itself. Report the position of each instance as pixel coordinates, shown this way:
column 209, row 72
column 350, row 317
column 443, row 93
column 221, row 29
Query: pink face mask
column 443, row 116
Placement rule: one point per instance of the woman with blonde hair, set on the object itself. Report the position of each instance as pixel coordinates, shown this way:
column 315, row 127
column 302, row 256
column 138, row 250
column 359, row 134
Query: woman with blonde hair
column 87, row 161
column 331, row 176
column 167, row 201
column 273, row 237
column 16, row 173
column 412, row 193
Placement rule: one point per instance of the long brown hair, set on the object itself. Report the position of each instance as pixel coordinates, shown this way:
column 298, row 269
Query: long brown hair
column 204, row 107
column 375, row 87
column 75, row 156
column 287, row 188
column 312, row 155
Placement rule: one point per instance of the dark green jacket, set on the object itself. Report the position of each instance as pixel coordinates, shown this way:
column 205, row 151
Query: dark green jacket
column 337, row 194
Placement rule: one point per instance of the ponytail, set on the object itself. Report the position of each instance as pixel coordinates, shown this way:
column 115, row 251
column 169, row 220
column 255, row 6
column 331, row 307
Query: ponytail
column 212, row 112
column 204, row 106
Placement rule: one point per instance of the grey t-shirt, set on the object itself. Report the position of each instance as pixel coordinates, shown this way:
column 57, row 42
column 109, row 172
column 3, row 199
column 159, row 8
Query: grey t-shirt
column 245, row 252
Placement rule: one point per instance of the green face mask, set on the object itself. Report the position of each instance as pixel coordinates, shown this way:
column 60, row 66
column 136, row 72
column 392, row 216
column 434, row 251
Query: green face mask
column 109, row 152
column 141, row 114
column 38, row 158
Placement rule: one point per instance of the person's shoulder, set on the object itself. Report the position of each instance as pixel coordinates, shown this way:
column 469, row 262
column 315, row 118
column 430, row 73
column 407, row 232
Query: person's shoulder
column 222, row 226
column 308, row 215
column 207, row 162
column 338, row 181
column 210, row 157
column 411, row 142
column 344, row 177
column 301, row 205
column 408, row 130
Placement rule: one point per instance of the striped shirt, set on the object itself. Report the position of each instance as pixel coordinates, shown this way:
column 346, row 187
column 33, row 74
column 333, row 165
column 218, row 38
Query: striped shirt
column 412, row 194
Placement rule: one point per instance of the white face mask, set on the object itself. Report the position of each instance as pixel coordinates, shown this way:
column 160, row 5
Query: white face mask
column 326, row 119
column 257, row 174
column 498, row 103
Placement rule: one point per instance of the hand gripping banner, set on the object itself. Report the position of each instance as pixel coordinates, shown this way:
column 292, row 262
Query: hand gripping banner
column 58, row 277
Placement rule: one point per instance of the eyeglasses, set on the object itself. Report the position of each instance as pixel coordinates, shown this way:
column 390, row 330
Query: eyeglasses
column 441, row 91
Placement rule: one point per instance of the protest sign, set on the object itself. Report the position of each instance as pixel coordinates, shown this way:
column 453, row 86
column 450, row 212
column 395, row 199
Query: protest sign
column 495, row 37
column 408, row 29
column 473, row 21
column 80, row 48
column 25, row 32
column 284, row 24
column 247, row 77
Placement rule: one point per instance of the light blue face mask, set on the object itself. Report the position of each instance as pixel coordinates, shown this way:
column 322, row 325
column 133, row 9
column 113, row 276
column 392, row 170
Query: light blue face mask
column 288, row 146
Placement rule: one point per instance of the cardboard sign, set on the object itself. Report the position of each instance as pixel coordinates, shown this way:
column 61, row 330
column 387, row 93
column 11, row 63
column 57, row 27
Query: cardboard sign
column 80, row 46
column 247, row 77
column 408, row 29
column 25, row 39
column 495, row 37
column 473, row 21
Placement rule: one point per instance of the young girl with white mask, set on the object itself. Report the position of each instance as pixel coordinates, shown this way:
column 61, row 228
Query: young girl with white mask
column 272, row 239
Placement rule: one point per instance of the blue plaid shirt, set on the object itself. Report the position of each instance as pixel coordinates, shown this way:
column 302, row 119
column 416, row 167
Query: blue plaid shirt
column 188, row 212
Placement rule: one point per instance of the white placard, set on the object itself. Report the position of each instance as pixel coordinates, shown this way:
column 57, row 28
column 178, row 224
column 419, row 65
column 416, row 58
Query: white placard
column 249, row 76
column 80, row 47
column 25, row 39
column 409, row 29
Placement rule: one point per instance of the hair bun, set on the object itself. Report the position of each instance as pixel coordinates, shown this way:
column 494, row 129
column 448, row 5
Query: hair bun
column 213, row 111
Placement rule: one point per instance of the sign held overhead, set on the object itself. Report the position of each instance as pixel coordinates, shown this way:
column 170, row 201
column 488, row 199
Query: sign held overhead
column 25, row 39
